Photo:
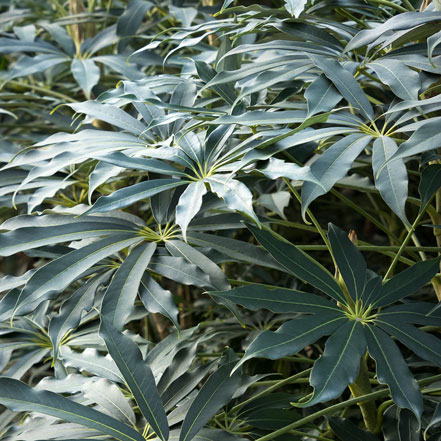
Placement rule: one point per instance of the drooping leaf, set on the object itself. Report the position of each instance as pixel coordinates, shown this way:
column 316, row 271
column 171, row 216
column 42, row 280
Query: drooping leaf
column 138, row 376
column 71, row 311
column 393, row 371
column 134, row 193
column 430, row 183
column 321, row 96
column 298, row 263
column 331, row 166
column 86, row 74
column 120, row 295
column 392, row 180
column 156, row 299
column 345, row 83
column 403, row 81
column 425, row 345
column 340, row 363
column 20, row 397
column 59, row 273
column 189, row 205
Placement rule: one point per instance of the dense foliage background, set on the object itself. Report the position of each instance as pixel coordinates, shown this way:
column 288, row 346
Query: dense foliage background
column 221, row 221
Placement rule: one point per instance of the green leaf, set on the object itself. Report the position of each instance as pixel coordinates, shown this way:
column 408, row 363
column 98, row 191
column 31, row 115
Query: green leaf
column 189, row 205
column 321, row 96
column 215, row 393
column 427, row 137
column 147, row 164
column 72, row 309
column 86, row 74
column 339, row 365
column 345, row 83
column 23, row 239
column 331, row 166
column 299, row 264
column 20, row 397
column 391, row 181
column 234, row 249
column 130, row 20
column 138, row 376
column 420, row 313
column 345, row 430
column 256, row 297
column 404, row 82
column 293, row 336
column 235, row 194
column 58, row 274
column 425, row 345
column 109, row 397
column 109, row 114
column 120, row 295
column 430, row 183
column 179, row 270
column 407, row 282
column 158, row 300
column 31, row 65
column 180, row 249
column 295, row 7
column 393, row 371
column 350, row 261
column 134, row 193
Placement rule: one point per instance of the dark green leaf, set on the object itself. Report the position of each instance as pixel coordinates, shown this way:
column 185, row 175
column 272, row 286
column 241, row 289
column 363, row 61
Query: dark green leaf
column 298, row 263
column 138, row 376
column 393, row 371
column 430, row 183
column 346, row 430
column 340, row 363
column 20, row 397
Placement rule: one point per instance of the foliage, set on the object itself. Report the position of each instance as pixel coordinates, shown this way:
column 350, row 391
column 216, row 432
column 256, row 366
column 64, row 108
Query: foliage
column 167, row 172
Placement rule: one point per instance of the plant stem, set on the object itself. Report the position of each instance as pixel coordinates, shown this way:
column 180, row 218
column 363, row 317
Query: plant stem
column 62, row 96
column 313, row 219
column 275, row 386
column 362, row 386
column 403, row 245
column 363, row 398
column 389, row 5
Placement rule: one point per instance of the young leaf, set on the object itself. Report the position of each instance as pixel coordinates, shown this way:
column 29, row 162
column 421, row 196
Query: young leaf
column 295, row 7
column 393, row 371
column 350, row 261
column 298, row 263
column 20, row 397
column 138, row 376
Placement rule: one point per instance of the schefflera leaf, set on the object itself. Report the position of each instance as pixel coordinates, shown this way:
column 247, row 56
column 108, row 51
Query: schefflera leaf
column 138, row 376
column 20, row 397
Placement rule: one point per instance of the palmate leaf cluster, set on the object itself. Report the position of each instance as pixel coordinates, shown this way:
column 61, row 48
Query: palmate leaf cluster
column 167, row 172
